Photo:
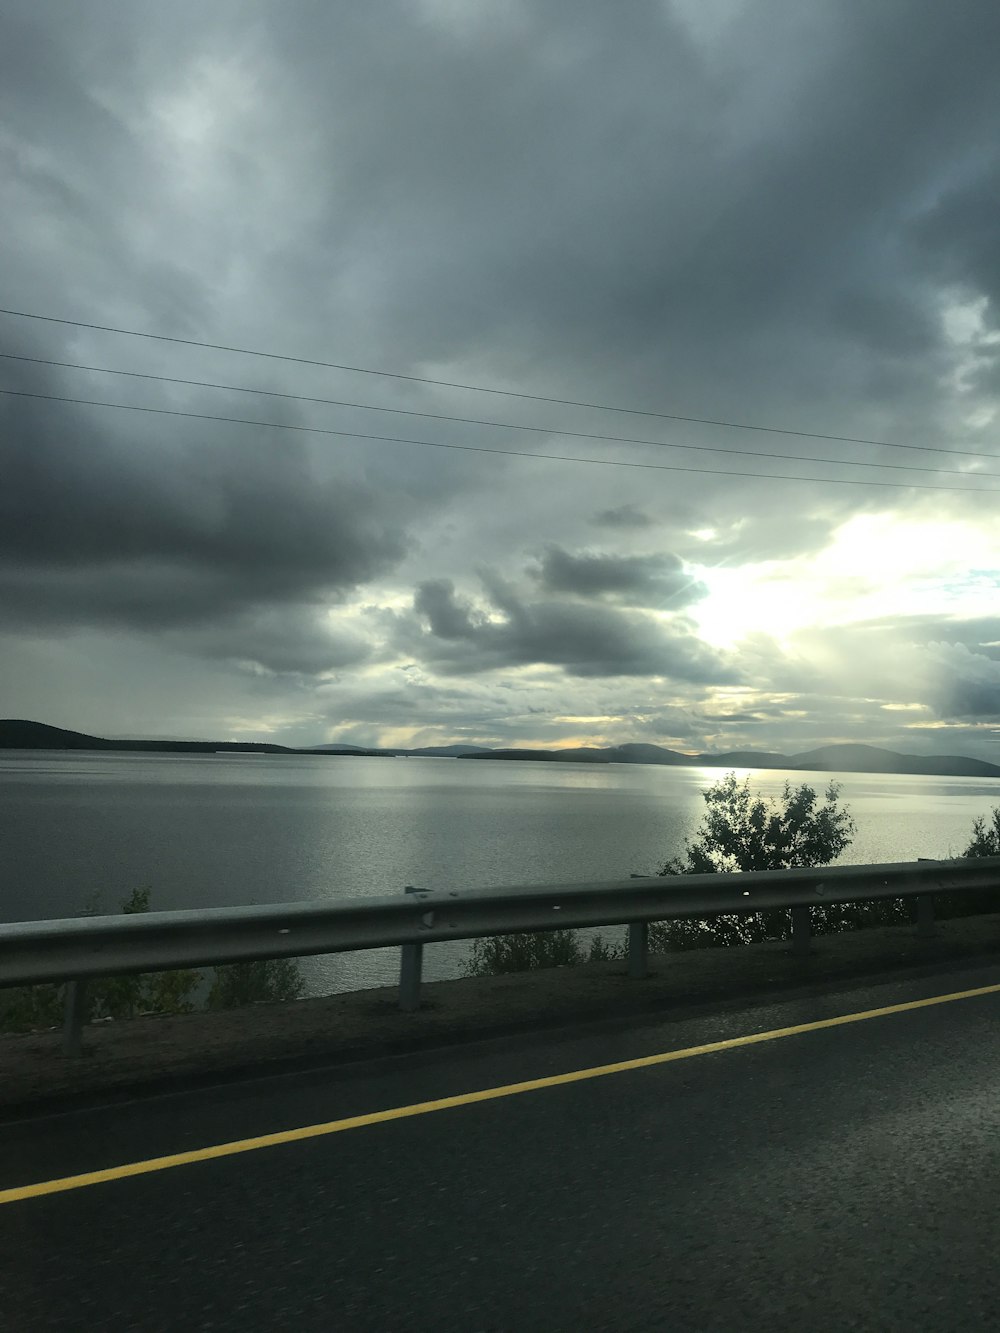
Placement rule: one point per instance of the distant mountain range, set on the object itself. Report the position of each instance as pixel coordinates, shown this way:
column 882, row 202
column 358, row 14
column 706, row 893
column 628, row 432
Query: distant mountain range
column 21, row 735
column 427, row 751
column 17, row 734
column 827, row 759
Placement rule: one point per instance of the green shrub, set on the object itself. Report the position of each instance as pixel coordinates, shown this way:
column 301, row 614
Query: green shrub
column 31, row 1008
column 145, row 992
column 601, row 951
column 495, row 955
column 265, row 980
column 724, row 931
column 985, row 841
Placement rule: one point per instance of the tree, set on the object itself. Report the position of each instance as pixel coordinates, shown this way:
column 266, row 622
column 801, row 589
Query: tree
column 743, row 830
column 984, row 841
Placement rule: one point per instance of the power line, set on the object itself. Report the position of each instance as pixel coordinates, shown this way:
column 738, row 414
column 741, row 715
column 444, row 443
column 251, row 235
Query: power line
column 513, row 425
column 504, row 453
column 452, row 384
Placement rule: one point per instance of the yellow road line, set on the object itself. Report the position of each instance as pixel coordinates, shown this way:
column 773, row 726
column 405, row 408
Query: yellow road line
column 463, row 1099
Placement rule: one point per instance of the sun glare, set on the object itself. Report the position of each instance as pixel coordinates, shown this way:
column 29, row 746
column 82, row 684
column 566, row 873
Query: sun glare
column 875, row 566
column 755, row 599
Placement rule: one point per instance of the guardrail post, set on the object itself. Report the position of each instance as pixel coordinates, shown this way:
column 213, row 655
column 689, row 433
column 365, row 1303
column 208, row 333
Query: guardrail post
column 800, row 930
column 638, row 942
column 925, row 916
column 411, row 964
column 74, row 1014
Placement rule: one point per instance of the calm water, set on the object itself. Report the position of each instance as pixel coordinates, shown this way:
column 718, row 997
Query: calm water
column 226, row 830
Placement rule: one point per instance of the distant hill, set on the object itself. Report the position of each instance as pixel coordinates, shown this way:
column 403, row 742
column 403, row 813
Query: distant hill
column 630, row 753
column 354, row 751
column 424, row 752
column 16, row 734
column 540, row 755
column 447, row 751
column 20, row 735
column 872, row 759
column 744, row 759
column 638, row 752
column 827, row 759
column 349, row 750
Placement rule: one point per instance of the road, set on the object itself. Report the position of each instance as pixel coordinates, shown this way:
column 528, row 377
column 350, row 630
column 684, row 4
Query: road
column 844, row 1176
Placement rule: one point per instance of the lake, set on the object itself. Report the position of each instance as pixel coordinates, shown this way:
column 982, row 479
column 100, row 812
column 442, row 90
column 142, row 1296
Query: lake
column 78, row 829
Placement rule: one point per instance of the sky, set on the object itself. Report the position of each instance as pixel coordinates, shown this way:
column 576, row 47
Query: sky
column 620, row 227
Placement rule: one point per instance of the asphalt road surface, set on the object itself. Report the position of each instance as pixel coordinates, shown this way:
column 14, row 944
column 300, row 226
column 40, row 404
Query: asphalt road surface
column 844, row 1176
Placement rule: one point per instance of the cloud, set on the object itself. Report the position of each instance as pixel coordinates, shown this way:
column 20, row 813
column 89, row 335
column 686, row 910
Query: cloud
column 582, row 639
column 885, row 675
column 295, row 641
column 622, row 516
column 113, row 525
column 966, row 684
column 448, row 618
column 660, row 210
column 639, row 580
column 957, row 235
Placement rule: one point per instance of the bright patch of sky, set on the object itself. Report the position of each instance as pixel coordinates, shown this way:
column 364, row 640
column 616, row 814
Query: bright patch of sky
column 876, row 565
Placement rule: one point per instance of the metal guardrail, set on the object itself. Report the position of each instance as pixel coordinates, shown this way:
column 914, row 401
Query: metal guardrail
column 81, row 948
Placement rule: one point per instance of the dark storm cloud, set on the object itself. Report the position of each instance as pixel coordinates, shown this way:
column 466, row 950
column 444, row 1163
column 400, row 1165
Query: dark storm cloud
column 964, row 684
column 622, row 516
column 448, row 617
column 584, row 640
column 294, row 641
column 700, row 211
column 966, row 698
column 659, row 581
column 112, row 523
column 958, row 233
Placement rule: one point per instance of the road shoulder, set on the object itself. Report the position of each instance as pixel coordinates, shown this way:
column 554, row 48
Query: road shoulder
column 155, row 1052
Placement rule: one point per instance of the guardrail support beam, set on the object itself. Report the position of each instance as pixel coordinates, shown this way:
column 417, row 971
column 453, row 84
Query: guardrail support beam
column 48, row 952
column 638, row 947
column 74, row 1015
column 925, row 916
column 411, row 966
column 800, row 931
